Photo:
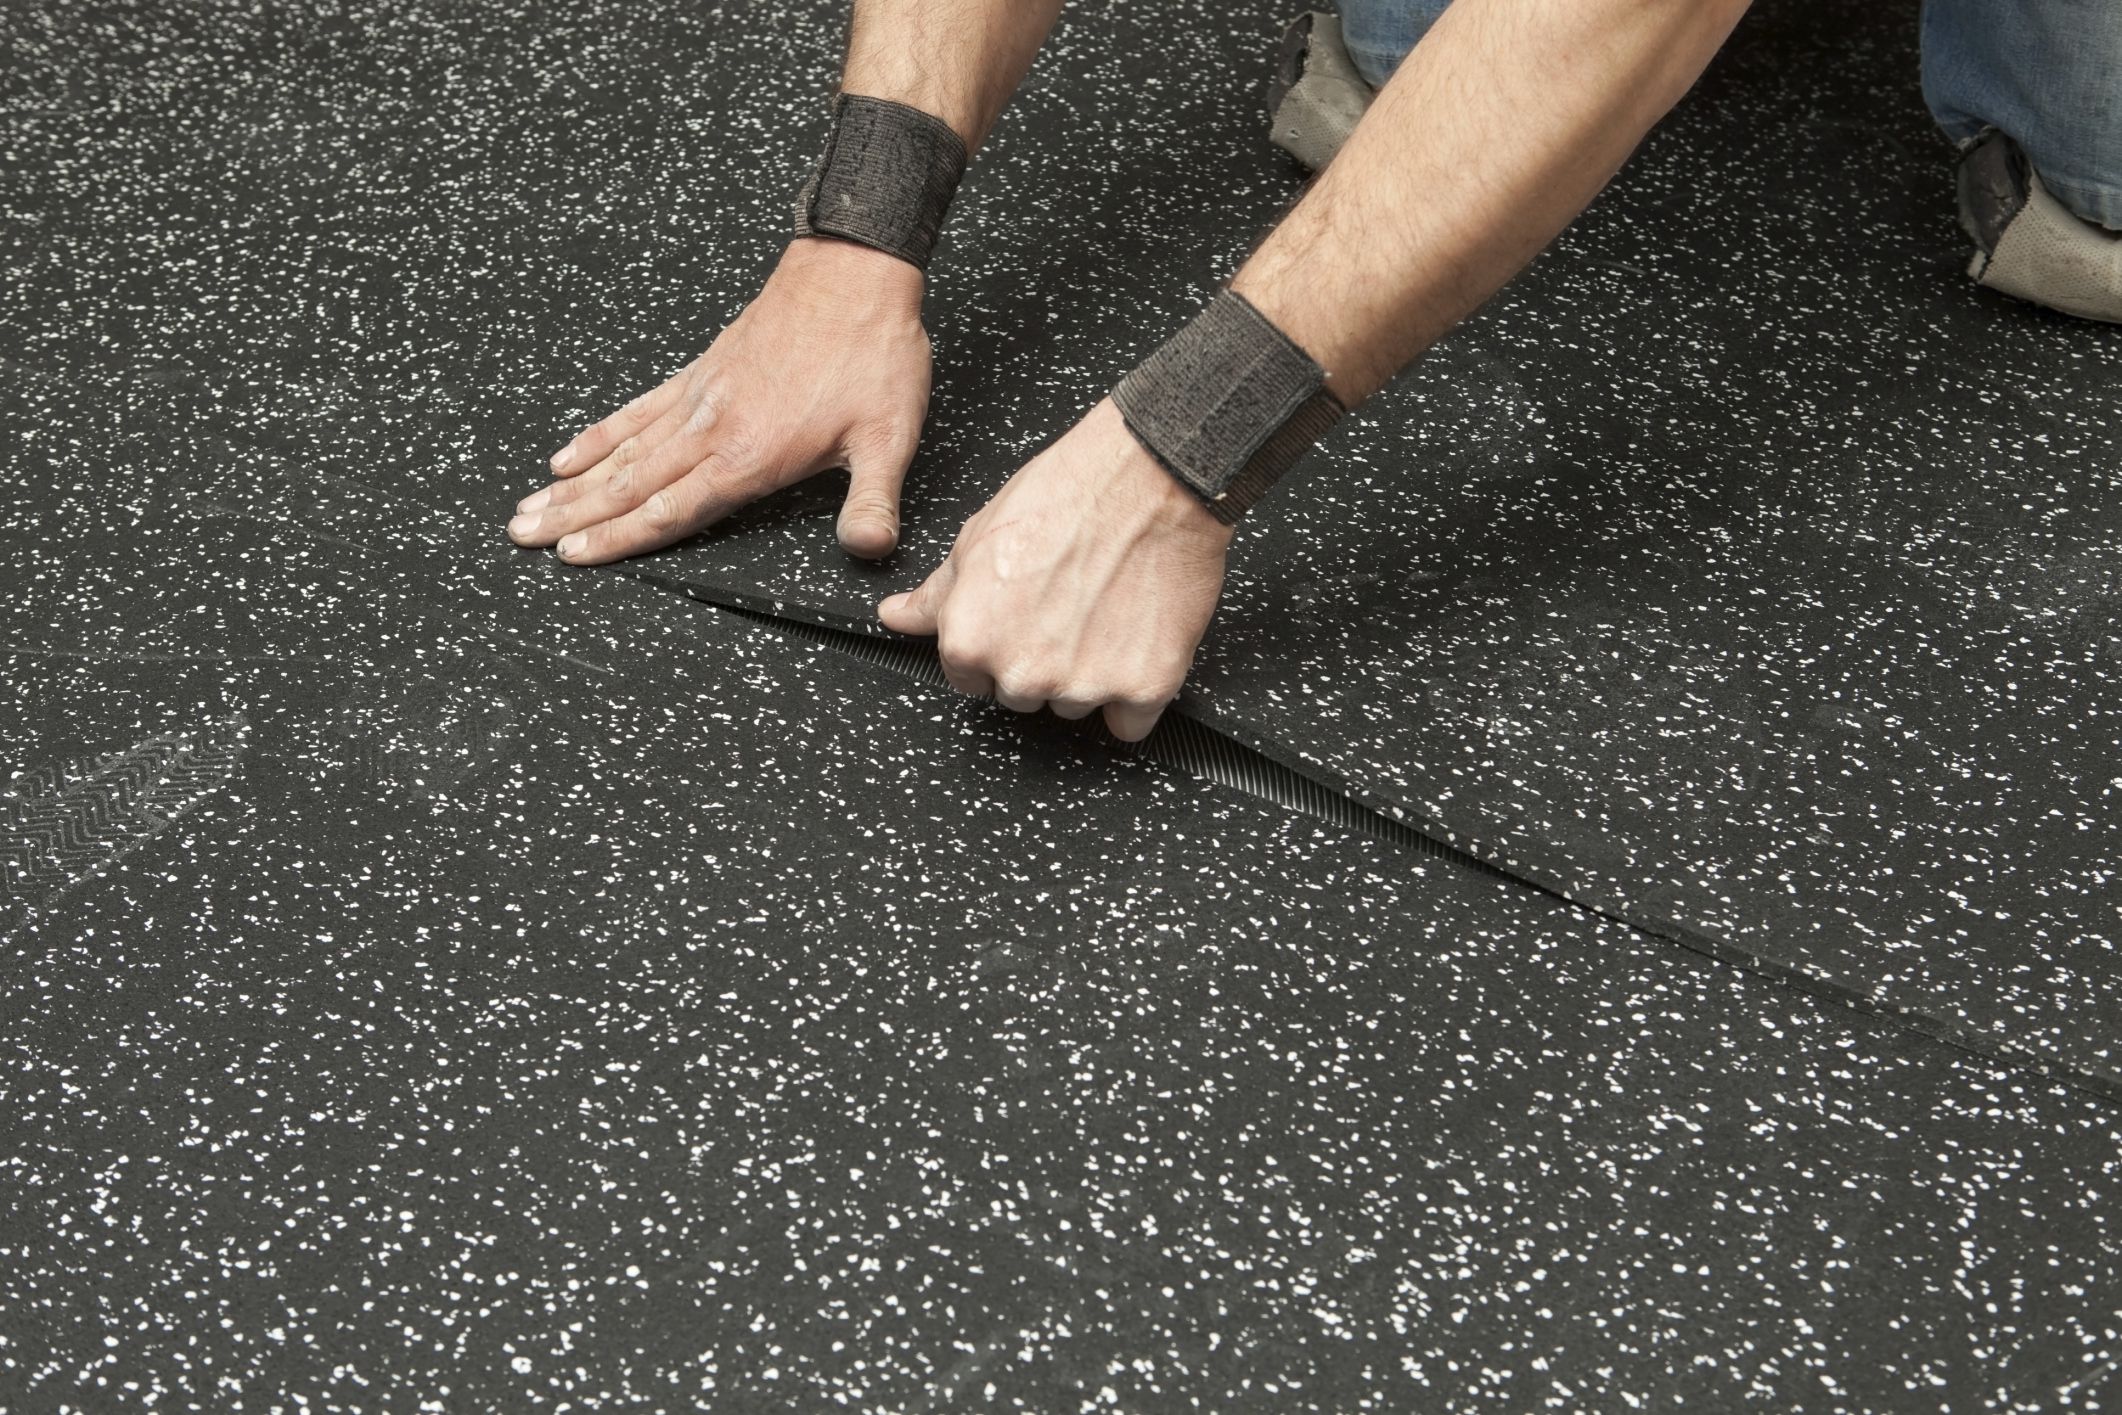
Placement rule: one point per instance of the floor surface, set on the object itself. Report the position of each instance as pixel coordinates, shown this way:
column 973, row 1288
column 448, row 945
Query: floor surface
column 441, row 979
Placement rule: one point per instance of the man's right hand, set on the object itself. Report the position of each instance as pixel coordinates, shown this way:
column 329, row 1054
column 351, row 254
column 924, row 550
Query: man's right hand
column 828, row 367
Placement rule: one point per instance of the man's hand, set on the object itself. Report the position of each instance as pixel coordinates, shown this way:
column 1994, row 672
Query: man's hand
column 1085, row 583
column 829, row 367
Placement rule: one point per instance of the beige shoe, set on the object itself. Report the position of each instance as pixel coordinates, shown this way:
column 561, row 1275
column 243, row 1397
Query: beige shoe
column 2028, row 244
column 1316, row 96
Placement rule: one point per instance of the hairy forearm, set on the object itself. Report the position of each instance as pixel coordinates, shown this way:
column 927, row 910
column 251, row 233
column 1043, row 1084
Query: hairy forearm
column 1497, row 129
column 957, row 59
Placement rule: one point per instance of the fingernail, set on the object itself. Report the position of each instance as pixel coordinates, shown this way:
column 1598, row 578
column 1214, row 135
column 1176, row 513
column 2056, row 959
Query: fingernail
column 535, row 501
column 571, row 546
column 564, row 458
column 522, row 526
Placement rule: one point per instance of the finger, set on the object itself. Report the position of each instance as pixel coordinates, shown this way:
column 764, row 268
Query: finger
column 915, row 611
column 1072, row 708
column 966, row 664
column 869, row 518
column 691, row 504
column 1132, row 721
column 1018, row 697
column 595, row 442
column 539, row 518
column 613, row 488
column 973, row 685
column 560, row 493
column 633, row 451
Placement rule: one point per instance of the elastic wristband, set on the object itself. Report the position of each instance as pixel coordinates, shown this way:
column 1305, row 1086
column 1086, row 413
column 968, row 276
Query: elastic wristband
column 1228, row 404
column 885, row 179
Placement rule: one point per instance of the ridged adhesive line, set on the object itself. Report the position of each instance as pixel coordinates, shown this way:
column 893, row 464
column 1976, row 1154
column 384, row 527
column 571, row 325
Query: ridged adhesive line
column 1178, row 741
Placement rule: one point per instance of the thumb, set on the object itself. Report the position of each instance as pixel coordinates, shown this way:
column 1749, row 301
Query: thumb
column 915, row 611
column 869, row 518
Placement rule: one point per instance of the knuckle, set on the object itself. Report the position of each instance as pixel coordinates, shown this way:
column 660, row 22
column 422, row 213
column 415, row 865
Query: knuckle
column 960, row 654
column 703, row 406
column 665, row 511
column 725, row 468
column 1028, row 680
column 737, row 445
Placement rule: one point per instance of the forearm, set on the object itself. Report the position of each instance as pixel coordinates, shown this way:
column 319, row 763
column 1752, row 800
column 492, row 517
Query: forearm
column 1088, row 580
column 1497, row 129
column 957, row 59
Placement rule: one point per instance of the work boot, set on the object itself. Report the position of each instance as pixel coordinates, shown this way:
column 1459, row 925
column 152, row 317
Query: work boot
column 1316, row 95
column 2028, row 244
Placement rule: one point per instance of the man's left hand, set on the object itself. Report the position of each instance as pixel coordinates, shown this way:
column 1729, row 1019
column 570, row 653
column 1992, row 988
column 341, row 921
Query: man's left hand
column 1086, row 583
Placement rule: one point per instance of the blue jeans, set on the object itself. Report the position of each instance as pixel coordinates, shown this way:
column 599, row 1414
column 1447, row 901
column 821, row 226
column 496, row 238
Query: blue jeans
column 2047, row 72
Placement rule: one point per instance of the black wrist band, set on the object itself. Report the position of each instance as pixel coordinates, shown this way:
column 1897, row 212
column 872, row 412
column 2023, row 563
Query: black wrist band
column 885, row 179
column 1227, row 404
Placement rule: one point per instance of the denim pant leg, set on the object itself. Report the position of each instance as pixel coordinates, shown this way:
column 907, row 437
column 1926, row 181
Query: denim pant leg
column 2048, row 73
column 1379, row 33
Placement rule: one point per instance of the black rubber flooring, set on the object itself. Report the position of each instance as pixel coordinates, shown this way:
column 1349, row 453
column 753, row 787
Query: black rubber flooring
column 1743, row 571
column 438, row 976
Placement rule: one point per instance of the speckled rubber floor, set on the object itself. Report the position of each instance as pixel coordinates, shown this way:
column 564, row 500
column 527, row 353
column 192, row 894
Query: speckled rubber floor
column 1742, row 571
column 438, row 979
column 453, row 980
